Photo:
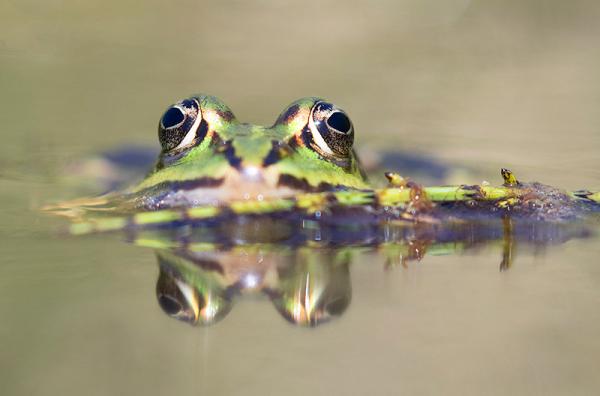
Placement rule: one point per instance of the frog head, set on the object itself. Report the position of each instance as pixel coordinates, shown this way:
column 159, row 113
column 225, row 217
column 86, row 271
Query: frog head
column 209, row 157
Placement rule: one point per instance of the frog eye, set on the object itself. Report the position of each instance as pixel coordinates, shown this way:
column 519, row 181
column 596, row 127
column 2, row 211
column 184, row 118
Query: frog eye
column 178, row 125
column 331, row 130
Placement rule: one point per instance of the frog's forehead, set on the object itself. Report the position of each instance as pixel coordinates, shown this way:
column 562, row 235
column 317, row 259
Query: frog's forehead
column 222, row 120
column 253, row 143
column 215, row 111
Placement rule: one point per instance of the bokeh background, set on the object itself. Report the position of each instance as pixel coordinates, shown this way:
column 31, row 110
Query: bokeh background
column 479, row 84
column 494, row 82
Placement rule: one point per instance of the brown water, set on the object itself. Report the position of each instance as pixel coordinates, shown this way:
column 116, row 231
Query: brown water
column 477, row 84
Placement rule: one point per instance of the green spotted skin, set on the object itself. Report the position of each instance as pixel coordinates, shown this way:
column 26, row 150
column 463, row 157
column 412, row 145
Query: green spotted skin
column 213, row 167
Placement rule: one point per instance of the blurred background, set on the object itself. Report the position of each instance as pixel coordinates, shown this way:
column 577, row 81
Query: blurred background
column 482, row 82
column 479, row 84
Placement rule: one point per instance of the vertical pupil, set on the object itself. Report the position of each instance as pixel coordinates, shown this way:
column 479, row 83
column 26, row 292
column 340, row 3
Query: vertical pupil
column 340, row 122
column 172, row 118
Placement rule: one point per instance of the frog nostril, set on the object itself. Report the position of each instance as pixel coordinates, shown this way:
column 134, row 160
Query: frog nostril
column 278, row 151
column 226, row 148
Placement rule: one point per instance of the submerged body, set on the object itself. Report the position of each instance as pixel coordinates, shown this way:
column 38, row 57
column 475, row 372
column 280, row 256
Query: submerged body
column 214, row 168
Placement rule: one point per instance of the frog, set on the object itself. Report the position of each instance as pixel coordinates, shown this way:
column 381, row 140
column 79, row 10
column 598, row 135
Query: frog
column 208, row 157
column 233, row 209
column 213, row 168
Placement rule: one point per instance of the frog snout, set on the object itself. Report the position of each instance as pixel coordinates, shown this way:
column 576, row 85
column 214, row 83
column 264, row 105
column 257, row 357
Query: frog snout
column 252, row 174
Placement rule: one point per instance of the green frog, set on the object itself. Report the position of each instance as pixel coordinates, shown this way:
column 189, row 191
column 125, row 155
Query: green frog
column 214, row 168
column 209, row 158
column 233, row 208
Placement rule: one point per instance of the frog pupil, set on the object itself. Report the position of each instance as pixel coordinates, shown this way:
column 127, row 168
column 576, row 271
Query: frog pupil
column 340, row 122
column 172, row 118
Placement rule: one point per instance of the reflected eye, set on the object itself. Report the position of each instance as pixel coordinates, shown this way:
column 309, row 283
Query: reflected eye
column 178, row 125
column 169, row 305
column 331, row 129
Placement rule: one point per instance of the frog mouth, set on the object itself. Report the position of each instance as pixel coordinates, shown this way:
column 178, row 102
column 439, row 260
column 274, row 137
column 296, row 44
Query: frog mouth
column 242, row 184
column 251, row 182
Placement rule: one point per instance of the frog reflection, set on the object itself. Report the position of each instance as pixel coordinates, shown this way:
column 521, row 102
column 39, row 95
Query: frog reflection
column 307, row 276
column 306, row 286
column 193, row 295
column 313, row 288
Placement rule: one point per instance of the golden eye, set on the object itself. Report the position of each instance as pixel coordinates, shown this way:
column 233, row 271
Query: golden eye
column 331, row 130
column 178, row 125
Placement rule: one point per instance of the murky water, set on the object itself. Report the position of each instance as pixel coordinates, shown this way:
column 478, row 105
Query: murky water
column 475, row 85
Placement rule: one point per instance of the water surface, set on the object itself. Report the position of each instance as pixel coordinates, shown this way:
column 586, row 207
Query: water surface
column 474, row 85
